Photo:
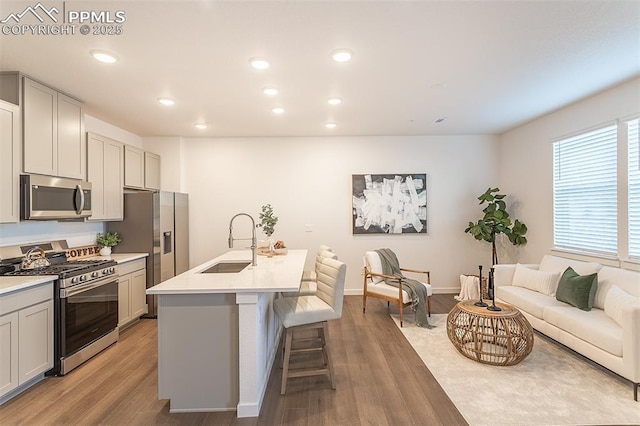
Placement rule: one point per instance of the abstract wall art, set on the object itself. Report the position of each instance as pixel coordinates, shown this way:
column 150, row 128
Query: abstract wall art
column 389, row 204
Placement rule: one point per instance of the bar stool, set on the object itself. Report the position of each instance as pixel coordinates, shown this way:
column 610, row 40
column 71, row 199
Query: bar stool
column 309, row 285
column 312, row 313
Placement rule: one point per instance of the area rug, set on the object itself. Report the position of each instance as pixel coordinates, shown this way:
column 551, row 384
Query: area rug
column 552, row 386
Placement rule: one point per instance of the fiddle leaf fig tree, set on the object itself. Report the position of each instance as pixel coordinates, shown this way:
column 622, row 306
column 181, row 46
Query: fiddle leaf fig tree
column 267, row 220
column 496, row 221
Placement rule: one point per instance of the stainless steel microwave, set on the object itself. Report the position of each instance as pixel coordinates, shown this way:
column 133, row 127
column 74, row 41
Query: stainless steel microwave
column 53, row 198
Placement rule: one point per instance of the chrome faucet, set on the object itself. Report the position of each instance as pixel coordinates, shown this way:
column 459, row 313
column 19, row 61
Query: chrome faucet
column 254, row 244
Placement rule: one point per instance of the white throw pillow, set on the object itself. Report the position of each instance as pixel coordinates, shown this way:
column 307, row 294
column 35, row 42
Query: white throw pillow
column 617, row 299
column 558, row 264
column 540, row 281
column 375, row 265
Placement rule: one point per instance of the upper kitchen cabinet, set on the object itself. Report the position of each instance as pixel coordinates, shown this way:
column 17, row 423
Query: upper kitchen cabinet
column 10, row 138
column 53, row 132
column 141, row 169
column 133, row 167
column 151, row 170
column 105, row 171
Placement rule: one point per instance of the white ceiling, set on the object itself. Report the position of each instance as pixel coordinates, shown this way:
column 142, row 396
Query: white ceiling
column 487, row 66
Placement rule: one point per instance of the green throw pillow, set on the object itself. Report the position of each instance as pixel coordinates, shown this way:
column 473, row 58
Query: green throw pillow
column 577, row 290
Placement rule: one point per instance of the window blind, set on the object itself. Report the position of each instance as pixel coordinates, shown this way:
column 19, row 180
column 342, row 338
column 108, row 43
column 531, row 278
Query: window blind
column 585, row 192
column 634, row 188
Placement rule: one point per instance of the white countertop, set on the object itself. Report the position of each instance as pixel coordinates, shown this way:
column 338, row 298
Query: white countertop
column 271, row 274
column 15, row 283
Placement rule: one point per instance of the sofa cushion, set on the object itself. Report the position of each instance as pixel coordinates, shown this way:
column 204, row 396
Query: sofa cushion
column 594, row 327
column 624, row 279
column 617, row 300
column 577, row 290
column 540, row 281
column 557, row 264
column 526, row 300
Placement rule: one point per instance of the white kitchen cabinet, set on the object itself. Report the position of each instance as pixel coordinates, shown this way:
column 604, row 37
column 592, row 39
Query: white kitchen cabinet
column 105, row 171
column 132, row 298
column 151, row 170
column 53, row 132
column 133, row 167
column 10, row 147
column 26, row 336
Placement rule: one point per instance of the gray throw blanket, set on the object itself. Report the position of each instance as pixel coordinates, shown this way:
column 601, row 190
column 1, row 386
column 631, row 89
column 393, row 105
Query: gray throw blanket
column 417, row 292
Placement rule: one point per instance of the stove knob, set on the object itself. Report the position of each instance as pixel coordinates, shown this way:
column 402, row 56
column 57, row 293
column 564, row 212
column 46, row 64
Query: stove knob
column 105, row 271
column 95, row 274
column 83, row 278
column 112, row 269
column 74, row 280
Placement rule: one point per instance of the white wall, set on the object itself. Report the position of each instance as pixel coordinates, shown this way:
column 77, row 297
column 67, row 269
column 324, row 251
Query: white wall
column 76, row 233
column 308, row 181
column 526, row 158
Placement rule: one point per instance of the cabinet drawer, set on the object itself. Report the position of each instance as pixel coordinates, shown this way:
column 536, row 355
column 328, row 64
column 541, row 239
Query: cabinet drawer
column 24, row 298
column 134, row 265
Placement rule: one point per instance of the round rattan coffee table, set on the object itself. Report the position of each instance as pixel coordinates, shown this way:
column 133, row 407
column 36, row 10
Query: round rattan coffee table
column 498, row 338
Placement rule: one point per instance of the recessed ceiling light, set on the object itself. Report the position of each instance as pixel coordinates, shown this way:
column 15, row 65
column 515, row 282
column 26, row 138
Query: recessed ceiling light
column 201, row 126
column 341, row 55
column 270, row 90
column 334, row 101
column 104, row 56
column 259, row 63
column 278, row 110
column 166, row 101
column 330, row 125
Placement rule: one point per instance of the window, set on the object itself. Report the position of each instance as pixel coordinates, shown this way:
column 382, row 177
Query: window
column 585, row 192
column 634, row 188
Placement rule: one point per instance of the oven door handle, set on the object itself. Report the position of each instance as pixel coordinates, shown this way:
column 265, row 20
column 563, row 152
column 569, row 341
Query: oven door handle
column 81, row 288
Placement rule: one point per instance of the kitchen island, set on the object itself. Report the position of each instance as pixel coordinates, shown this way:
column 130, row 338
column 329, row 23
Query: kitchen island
column 218, row 334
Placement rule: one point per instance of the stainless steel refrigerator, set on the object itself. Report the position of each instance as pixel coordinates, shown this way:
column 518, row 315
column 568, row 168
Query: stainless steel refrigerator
column 156, row 223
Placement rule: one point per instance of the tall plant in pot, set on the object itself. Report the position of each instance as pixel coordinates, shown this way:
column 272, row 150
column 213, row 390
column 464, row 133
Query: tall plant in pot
column 496, row 221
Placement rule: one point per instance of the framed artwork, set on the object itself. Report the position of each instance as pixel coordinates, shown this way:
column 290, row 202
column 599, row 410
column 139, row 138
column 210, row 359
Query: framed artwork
column 389, row 204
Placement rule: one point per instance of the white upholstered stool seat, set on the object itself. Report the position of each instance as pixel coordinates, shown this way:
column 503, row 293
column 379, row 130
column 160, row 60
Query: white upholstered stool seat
column 312, row 312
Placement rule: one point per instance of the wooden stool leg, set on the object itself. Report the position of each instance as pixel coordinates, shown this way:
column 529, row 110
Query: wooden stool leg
column 285, row 361
column 401, row 312
column 325, row 332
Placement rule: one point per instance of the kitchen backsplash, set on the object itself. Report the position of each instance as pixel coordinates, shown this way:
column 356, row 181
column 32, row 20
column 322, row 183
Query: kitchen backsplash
column 76, row 233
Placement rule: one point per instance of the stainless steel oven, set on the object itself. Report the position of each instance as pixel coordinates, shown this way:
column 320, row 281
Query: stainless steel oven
column 88, row 320
column 85, row 301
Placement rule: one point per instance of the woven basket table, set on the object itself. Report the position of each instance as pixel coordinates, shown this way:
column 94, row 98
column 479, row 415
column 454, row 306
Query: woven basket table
column 497, row 338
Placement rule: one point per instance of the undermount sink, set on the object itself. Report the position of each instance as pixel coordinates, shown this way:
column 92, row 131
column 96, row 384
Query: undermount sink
column 226, row 268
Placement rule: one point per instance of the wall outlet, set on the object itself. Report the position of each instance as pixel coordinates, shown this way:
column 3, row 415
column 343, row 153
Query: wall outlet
column 308, row 228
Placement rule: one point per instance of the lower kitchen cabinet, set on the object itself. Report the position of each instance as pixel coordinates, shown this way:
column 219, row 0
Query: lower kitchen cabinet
column 26, row 337
column 132, row 298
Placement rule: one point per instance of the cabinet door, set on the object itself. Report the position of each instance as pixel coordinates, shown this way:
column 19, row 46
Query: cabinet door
column 40, row 128
column 113, row 180
column 35, row 327
column 133, row 167
column 138, row 293
column 10, row 137
column 124, row 302
column 96, row 175
column 151, row 170
column 71, row 141
column 8, row 353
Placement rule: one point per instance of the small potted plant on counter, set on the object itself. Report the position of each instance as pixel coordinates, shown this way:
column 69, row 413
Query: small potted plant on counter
column 268, row 223
column 106, row 241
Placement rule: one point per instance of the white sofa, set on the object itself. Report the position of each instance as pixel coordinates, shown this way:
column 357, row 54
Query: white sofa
column 608, row 334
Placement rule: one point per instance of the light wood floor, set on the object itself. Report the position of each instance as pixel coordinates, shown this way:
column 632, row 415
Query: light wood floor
column 380, row 380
